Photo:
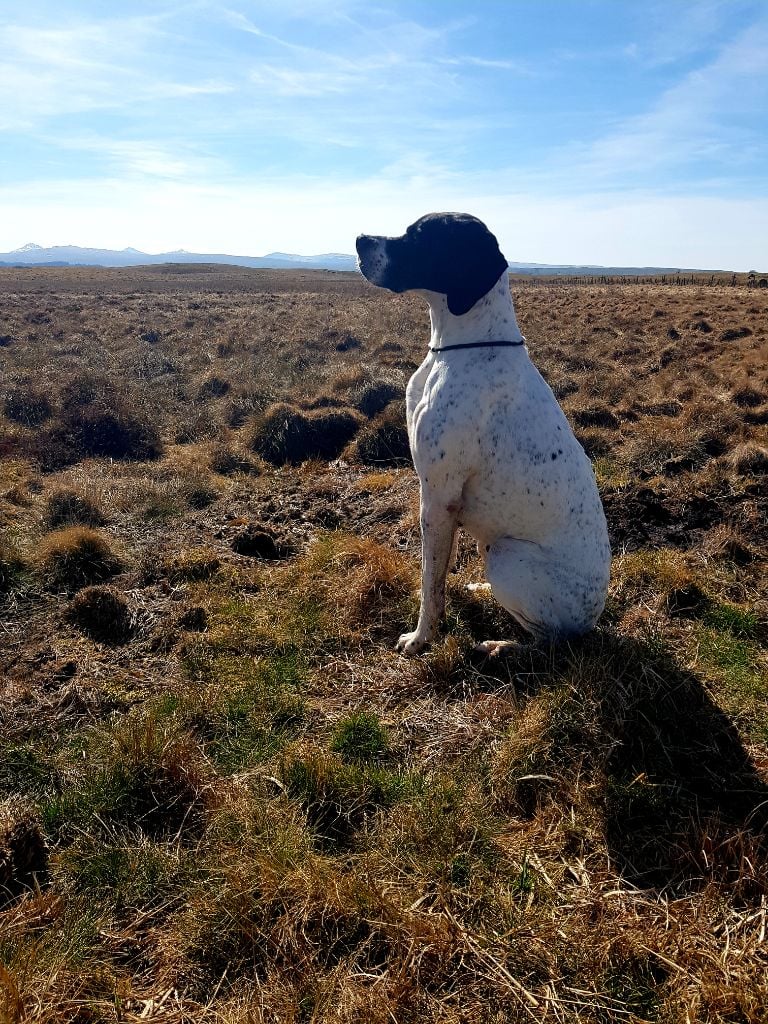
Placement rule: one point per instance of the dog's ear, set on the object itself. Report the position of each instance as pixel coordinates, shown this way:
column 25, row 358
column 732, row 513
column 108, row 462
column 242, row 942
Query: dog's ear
column 480, row 267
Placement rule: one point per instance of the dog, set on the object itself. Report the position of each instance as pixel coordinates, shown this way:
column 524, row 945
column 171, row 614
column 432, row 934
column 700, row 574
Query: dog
column 492, row 448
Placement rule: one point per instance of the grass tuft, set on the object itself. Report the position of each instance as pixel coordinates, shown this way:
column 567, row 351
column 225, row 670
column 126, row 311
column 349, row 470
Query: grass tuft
column 102, row 613
column 75, row 557
column 360, row 738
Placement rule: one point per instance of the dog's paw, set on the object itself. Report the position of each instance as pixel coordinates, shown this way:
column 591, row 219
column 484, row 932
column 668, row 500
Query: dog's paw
column 411, row 643
column 494, row 648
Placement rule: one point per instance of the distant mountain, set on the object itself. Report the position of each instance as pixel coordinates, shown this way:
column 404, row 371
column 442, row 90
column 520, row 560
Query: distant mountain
column 32, row 254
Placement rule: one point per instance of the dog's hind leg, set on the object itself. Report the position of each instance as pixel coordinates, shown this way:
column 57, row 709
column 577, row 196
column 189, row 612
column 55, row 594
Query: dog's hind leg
column 546, row 596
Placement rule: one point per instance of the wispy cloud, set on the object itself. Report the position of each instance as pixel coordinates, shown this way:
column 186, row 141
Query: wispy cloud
column 708, row 119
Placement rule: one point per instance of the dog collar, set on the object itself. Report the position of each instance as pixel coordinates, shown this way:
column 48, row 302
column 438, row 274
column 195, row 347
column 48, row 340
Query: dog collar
column 479, row 344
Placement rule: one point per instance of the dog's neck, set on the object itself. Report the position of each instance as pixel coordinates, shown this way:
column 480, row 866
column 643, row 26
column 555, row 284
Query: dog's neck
column 492, row 318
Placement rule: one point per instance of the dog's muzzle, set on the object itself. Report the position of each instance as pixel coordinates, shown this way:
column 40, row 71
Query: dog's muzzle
column 372, row 257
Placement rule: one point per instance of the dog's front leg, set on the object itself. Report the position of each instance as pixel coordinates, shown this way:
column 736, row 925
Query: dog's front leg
column 438, row 528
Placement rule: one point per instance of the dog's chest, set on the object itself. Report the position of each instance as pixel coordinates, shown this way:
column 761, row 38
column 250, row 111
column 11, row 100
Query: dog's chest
column 492, row 431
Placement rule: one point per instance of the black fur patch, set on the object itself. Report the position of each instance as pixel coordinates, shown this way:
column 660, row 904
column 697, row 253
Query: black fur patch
column 451, row 253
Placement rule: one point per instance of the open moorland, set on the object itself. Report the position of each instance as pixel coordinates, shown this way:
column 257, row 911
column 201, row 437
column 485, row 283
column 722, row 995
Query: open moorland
column 224, row 797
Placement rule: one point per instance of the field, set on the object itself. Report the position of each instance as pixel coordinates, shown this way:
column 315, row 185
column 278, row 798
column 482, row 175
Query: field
column 224, row 797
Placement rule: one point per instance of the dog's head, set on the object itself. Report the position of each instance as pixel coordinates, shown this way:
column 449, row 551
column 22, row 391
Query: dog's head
column 450, row 253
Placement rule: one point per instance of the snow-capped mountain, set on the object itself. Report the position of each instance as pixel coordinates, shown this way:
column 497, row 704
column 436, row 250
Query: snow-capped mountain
column 75, row 255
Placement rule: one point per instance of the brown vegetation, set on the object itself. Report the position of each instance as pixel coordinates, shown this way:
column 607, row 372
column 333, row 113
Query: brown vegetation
column 224, row 798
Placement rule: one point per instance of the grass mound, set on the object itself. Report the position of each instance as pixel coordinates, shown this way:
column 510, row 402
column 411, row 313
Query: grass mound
column 100, row 420
column 749, row 459
column 747, row 397
column 285, row 434
column 75, row 557
column 23, row 851
column 375, row 397
column 212, row 387
column 141, row 775
column 11, row 566
column 360, row 737
column 384, row 440
column 27, row 405
column 102, row 613
column 66, row 507
column 191, row 565
column 117, row 433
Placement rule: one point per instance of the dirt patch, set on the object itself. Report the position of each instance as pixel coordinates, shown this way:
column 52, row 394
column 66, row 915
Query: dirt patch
column 260, row 541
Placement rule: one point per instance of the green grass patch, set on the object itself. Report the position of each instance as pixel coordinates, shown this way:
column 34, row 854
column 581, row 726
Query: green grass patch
column 143, row 774
column 735, row 663
column 124, row 870
column 730, row 618
column 338, row 797
column 360, row 738
column 23, row 770
column 247, row 709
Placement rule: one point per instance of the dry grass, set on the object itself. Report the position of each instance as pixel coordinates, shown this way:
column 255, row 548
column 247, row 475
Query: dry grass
column 224, row 798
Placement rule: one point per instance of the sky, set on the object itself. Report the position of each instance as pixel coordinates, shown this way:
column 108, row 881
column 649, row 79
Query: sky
column 612, row 132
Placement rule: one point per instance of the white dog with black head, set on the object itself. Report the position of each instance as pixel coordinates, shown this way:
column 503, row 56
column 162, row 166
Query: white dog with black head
column 492, row 448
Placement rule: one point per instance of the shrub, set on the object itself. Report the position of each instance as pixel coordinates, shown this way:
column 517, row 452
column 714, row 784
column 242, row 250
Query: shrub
column 384, row 440
column 102, row 613
column 75, row 557
column 285, row 434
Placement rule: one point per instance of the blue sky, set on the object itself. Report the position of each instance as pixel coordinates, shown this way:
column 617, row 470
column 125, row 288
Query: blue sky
column 581, row 131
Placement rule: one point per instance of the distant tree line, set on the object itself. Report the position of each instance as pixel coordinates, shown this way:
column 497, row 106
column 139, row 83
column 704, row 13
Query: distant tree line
column 751, row 280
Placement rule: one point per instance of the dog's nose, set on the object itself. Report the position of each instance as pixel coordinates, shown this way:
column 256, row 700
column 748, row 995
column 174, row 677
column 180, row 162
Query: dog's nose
column 364, row 244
